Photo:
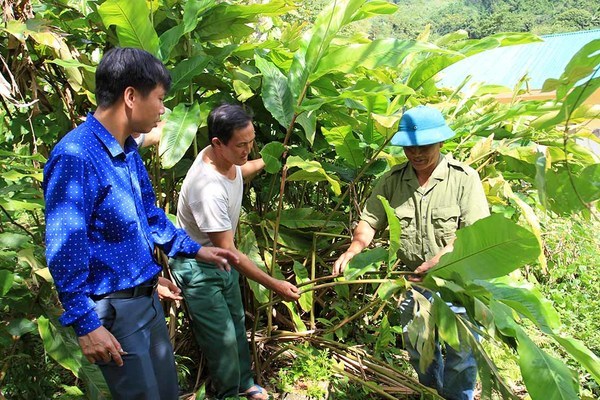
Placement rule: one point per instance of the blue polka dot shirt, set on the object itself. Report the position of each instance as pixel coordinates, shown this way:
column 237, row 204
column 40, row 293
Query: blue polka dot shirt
column 102, row 221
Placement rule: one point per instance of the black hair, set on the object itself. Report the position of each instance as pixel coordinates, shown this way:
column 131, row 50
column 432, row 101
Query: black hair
column 225, row 119
column 122, row 67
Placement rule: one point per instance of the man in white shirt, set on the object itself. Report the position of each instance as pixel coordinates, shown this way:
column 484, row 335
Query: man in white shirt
column 209, row 209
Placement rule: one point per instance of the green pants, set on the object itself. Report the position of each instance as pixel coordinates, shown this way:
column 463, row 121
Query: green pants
column 215, row 302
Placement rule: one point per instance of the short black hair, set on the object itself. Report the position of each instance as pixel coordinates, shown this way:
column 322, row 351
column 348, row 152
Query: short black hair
column 225, row 119
column 122, row 67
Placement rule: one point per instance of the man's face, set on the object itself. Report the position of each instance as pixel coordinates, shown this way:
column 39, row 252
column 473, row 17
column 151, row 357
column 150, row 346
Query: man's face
column 147, row 110
column 423, row 158
column 237, row 149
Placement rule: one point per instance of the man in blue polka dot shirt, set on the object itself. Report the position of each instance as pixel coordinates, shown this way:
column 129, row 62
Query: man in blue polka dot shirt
column 102, row 225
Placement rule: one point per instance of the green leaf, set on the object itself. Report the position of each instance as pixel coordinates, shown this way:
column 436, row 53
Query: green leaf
column 178, row 133
column 17, row 205
column 299, row 218
column 275, row 92
column 387, row 289
column 72, row 64
column 247, row 245
column 385, row 336
column 311, row 171
column 490, row 248
column 346, row 145
column 169, row 39
column 581, row 354
column 329, row 22
column 560, row 194
column 13, row 241
column 64, row 349
column 306, row 299
column 395, row 230
column 20, row 326
column 366, row 261
column 581, row 65
column 588, row 184
column 308, row 121
column 185, row 71
column 298, row 323
column 445, row 321
column 192, row 10
column 526, row 300
column 271, row 154
column 545, row 377
column 231, row 21
column 6, row 281
column 421, row 330
column 132, row 20
column 376, row 54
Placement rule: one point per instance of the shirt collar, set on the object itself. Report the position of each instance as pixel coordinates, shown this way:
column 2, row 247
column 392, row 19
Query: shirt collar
column 440, row 171
column 108, row 140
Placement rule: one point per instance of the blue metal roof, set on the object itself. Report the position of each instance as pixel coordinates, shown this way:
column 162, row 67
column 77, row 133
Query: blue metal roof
column 506, row 65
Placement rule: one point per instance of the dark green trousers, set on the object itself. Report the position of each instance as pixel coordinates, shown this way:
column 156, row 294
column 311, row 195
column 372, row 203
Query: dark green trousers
column 215, row 302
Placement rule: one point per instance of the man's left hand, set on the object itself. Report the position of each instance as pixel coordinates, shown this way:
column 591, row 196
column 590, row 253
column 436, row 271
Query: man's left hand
column 167, row 290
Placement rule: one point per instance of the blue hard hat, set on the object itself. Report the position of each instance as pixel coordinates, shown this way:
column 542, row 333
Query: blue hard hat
column 421, row 126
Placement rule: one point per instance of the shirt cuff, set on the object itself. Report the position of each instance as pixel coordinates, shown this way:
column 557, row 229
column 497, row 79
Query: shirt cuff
column 87, row 323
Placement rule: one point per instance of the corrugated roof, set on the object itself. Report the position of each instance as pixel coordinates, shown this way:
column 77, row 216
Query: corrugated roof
column 506, row 65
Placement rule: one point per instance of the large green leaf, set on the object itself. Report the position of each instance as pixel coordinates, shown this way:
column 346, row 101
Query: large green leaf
column 247, row 245
column 378, row 53
column 329, row 22
column 581, row 65
column 588, row 184
column 178, row 133
column 276, row 94
column 132, row 20
column 185, row 71
column 581, row 354
column 526, row 300
column 271, row 154
column 346, row 144
column 490, row 248
column 561, row 196
column 366, row 261
column 311, row 171
column 445, row 321
column 64, row 349
column 227, row 20
column 545, row 377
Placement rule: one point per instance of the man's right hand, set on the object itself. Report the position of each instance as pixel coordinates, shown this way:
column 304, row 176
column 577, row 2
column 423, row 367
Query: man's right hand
column 218, row 256
column 101, row 345
column 287, row 291
column 340, row 264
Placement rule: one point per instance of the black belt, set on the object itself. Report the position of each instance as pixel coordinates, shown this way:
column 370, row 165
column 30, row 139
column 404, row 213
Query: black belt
column 143, row 289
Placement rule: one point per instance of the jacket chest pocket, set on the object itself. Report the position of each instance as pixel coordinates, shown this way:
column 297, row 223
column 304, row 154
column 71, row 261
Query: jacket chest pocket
column 445, row 221
column 407, row 216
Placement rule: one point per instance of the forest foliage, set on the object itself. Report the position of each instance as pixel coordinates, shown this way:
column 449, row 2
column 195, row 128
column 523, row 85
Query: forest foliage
column 327, row 99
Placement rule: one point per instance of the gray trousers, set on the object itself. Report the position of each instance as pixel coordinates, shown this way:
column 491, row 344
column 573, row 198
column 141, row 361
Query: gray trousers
column 148, row 371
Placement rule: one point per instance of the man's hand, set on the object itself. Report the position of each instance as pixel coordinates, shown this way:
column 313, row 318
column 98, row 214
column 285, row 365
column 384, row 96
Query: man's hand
column 340, row 264
column 218, row 256
column 167, row 290
column 421, row 270
column 101, row 345
column 287, row 291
